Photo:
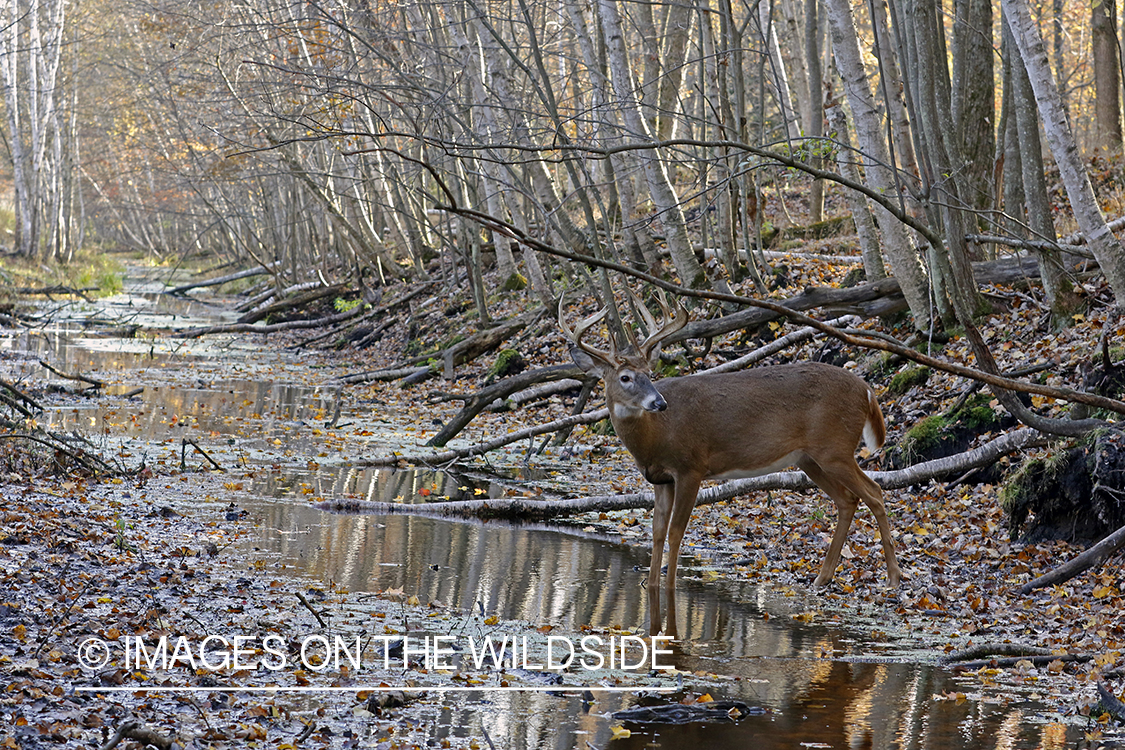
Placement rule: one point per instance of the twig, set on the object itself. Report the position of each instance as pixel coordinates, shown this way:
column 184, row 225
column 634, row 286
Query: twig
column 134, row 731
column 183, row 457
column 83, row 458
column 69, row 376
column 310, row 608
column 21, row 395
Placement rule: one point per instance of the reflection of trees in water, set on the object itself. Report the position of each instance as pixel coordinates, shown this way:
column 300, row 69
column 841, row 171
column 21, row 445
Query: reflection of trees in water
column 538, row 576
column 256, row 410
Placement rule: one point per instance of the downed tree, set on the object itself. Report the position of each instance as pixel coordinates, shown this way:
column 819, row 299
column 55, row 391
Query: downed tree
column 1092, row 557
column 867, row 300
column 482, row 399
column 294, row 325
column 458, row 354
column 289, row 325
column 296, row 301
column 220, row 280
column 528, row 509
column 479, row 449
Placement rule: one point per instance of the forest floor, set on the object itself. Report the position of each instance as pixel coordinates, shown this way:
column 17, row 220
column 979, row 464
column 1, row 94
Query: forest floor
column 113, row 557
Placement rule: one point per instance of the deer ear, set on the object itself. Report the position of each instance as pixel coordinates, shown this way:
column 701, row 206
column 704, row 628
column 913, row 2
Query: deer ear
column 589, row 365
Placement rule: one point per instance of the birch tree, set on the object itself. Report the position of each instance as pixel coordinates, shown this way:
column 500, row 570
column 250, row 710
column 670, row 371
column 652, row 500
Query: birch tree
column 660, row 187
column 1107, row 249
column 31, row 56
column 904, row 261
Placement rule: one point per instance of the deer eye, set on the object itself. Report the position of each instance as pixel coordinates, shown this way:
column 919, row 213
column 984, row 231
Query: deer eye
column 626, row 378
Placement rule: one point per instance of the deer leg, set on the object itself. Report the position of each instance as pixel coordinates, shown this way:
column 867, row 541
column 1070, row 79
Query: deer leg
column 846, row 503
column 683, row 504
column 847, row 486
column 872, row 497
column 661, row 510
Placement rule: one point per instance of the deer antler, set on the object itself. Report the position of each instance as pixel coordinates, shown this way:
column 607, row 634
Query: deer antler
column 675, row 318
column 579, row 331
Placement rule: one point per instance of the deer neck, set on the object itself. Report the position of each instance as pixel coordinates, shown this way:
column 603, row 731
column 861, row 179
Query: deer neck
column 638, row 429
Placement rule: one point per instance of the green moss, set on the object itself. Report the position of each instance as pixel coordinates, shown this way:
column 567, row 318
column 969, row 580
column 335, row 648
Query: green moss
column 508, row 362
column 514, row 283
column 922, row 437
column 346, row 305
column 1026, row 483
column 906, row 379
column 977, row 413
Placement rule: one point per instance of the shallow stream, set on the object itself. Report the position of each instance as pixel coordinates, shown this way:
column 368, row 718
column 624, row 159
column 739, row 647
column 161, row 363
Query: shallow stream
column 820, row 679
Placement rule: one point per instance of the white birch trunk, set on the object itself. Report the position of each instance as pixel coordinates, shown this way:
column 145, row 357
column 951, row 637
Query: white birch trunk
column 905, row 263
column 1107, row 249
column 659, row 185
column 778, row 76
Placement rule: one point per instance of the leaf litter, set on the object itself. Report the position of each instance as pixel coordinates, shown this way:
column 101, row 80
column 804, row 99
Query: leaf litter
column 88, row 558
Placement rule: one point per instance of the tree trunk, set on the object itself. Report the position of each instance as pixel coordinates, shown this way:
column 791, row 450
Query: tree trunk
column 973, row 102
column 861, row 212
column 1057, row 288
column 890, row 72
column 660, row 186
column 1107, row 81
column 943, row 191
column 677, row 32
column 777, row 73
column 814, row 48
column 904, row 260
column 1105, row 246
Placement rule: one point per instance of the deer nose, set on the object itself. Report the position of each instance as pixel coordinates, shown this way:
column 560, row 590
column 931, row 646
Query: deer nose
column 658, row 404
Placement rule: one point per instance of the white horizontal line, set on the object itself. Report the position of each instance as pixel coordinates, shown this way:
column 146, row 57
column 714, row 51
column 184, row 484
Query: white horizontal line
column 375, row 689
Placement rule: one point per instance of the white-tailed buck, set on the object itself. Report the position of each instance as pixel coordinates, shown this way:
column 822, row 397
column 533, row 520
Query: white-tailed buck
column 725, row 426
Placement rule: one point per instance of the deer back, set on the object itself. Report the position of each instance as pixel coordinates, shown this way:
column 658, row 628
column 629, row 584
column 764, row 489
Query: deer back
column 747, row 423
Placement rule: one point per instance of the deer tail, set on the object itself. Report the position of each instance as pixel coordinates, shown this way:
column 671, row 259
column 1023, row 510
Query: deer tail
column 874, row 429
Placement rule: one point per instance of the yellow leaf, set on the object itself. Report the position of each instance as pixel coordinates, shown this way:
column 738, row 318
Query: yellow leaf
column 620, row 732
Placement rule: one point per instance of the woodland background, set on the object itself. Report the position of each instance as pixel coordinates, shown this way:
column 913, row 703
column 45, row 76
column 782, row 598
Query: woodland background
column 477, row 146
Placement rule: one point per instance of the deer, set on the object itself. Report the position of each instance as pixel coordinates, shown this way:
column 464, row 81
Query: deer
column 684, row 430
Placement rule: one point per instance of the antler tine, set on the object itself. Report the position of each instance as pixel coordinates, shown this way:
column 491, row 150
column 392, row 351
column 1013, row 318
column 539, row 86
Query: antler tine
column 650, row 322
column 575, row 335
column 675, row 318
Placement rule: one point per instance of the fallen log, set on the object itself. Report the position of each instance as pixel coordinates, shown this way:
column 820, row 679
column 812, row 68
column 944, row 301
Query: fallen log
column 453, row 356
column 219, row 280
column 295, row 301
column 1096, row 555
column 289, row 325
column 529, row 509
column 872, row 299
column 479, row 449
column 482, row 399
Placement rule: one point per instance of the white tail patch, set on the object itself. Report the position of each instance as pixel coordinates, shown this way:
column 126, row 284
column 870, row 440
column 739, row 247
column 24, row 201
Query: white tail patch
column 870, row 439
